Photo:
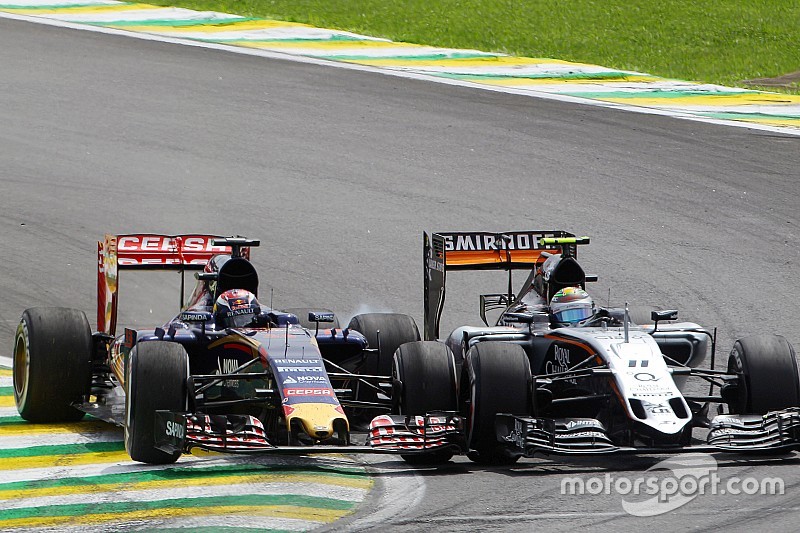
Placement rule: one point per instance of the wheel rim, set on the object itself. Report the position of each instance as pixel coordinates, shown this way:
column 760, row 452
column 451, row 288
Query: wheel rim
column 21, row 366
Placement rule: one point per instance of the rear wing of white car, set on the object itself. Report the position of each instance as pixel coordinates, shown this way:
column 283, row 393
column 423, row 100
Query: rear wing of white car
column 481, row 250
column 147, row 252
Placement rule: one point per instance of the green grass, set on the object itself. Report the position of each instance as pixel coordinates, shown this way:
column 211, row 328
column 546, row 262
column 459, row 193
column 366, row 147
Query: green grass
column 718, row 41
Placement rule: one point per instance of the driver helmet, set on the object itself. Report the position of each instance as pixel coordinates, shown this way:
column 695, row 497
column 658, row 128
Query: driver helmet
column 571, row 305
column 236, row 308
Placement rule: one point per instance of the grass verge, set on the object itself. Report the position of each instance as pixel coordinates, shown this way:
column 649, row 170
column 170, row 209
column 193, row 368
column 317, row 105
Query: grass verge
column 717, row 41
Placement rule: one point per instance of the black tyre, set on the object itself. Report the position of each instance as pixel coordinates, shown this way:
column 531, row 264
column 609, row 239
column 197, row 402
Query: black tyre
column 495, row 380
column 768, row 375
column 52, row 364
column 156, row 378
column 423, row 381
column 395, row 329
column 302, row 318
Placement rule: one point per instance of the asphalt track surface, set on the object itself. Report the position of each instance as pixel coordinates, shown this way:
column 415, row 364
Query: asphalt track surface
column 339, row 172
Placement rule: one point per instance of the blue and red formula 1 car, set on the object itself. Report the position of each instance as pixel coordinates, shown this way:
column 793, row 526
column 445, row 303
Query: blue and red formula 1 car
column 230, row 374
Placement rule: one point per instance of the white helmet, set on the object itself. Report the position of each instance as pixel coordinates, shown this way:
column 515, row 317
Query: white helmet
column 571, row 305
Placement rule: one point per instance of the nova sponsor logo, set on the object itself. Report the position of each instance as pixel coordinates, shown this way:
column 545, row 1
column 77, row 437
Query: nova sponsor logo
column 313, row 379
column 307, row 392
column 305, row 379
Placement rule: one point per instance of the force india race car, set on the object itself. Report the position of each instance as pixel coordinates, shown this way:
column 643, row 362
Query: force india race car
column 229, row 374
column 528, row 385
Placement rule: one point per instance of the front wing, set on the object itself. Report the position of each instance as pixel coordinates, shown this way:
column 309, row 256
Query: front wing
column 243, row 434
column 775, row 431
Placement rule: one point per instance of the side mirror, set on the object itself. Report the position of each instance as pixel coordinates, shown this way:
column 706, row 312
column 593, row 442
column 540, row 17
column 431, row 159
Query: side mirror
column 318, row 317
column 519, row 318
column 670, row 314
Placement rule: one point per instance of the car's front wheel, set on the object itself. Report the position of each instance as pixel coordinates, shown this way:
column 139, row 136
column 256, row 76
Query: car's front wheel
column 495, row 379
column 156, row 378
column 768, row 375
column 424, row 381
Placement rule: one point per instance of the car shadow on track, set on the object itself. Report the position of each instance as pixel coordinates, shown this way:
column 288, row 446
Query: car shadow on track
column 544, row 467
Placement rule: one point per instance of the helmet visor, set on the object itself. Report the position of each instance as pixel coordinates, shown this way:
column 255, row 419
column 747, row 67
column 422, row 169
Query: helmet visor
column 573, row 315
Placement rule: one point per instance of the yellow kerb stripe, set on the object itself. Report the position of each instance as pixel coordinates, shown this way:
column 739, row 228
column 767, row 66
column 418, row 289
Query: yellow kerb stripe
column 247, row 25
column 272, row 511
column 347, row 482
column 16, row 430
column 45, row 461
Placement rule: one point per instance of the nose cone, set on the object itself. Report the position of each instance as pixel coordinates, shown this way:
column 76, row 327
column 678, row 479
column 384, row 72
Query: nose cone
column 318, row 420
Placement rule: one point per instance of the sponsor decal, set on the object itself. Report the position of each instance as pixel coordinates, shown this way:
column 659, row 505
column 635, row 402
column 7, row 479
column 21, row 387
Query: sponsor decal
column 295, row 361
column 300, row 369
column 484, row 242
column 575, row 424
column 228, row 366
column 657, row 408
column 194, row 317
column 315, row 379
column 560, row 362
column 321, row 317
column 290, row 380
column 161, row 243
column 645, row 376
column 174, row 429
column 308, row 392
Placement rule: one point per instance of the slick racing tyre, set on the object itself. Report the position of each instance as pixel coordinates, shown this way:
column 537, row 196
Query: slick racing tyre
column 424, row 381
column 52, row 364
column 395, row 329
column 302, row 317
column 386, row 332
column 495, row 380
column 768, row 375
column 156, row 378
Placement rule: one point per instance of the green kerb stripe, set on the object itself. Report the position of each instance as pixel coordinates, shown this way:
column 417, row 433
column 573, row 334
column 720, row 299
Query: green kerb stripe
column 174, row 23
column 9, row 420
column 177, row 474
column 666, row 95
column 63, row 449
column 332, row 38
column 312, row 502
column 225, row 529
column 6, row 391
column 751, row 116
column 429, row 57
column 478, row 77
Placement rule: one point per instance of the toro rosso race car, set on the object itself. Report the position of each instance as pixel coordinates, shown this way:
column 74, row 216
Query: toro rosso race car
column 229, row 373
column 554, row 376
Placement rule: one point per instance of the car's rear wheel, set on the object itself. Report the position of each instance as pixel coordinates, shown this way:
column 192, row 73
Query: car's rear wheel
column 495, row 379
column 385, row 332
column 424, row 381
column 768, row 375
column 302, row 317
column 156, row 379
column 52, row 364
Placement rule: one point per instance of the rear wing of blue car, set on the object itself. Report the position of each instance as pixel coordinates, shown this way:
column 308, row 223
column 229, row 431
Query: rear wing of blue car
column 507, row 251
column 149, row 251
